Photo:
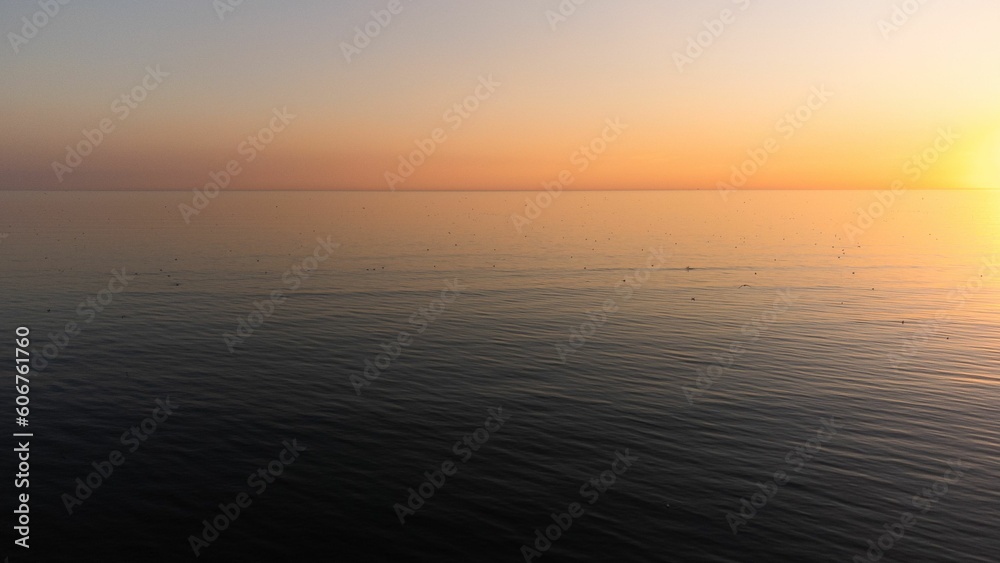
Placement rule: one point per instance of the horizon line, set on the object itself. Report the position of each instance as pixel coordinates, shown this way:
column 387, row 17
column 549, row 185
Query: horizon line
column 497, row 190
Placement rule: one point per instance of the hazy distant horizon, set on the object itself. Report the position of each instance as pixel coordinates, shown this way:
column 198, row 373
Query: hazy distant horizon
column 489, row 190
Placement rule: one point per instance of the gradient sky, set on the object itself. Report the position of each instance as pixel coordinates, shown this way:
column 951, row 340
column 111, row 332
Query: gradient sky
column 608, row 60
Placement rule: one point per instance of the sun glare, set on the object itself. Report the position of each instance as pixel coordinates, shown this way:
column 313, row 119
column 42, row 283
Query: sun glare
column 982, row 166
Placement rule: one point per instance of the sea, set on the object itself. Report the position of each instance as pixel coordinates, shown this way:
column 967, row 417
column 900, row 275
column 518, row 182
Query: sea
column 614, row 376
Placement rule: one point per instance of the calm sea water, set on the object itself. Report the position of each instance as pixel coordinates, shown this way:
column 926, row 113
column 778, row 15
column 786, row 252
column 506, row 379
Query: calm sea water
column 708, row 338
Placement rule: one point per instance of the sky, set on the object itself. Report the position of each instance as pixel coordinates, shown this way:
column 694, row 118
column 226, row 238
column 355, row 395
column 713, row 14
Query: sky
column 519, row 94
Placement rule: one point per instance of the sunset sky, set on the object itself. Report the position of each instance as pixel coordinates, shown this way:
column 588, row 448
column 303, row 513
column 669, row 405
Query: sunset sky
column 555, row 84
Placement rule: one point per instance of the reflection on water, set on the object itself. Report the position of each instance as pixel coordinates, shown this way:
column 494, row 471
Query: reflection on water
column 707, row 336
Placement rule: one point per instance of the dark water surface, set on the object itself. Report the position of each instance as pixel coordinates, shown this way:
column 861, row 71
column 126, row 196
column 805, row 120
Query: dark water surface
column 612, row 323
